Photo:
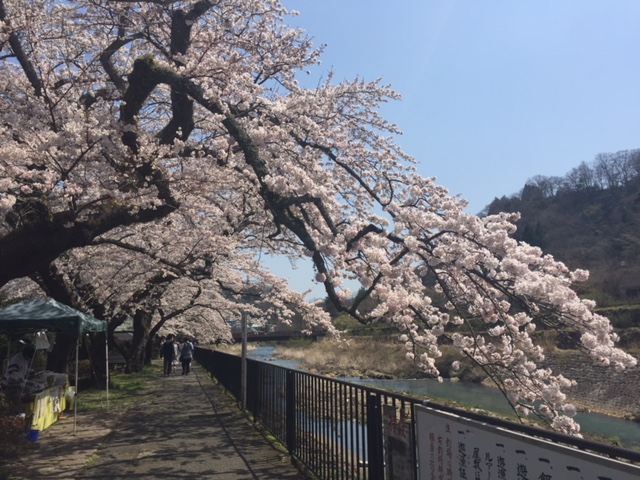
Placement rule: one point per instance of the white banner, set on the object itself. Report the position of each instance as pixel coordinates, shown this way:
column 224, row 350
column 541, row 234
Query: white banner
column 455, row 448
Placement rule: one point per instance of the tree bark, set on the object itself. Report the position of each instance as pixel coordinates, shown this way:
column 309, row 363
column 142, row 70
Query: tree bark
column 141, row 329
column 61, row 353
column 33, row 246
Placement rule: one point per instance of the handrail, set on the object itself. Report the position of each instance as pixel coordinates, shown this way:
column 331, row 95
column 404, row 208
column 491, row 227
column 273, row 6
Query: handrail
column 335, row 427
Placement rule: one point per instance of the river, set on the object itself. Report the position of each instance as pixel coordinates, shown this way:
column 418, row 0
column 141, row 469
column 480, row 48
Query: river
column 477, row 396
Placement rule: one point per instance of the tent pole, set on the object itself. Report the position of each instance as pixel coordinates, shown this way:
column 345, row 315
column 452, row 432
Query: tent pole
column 75, row 399
column 106, row 365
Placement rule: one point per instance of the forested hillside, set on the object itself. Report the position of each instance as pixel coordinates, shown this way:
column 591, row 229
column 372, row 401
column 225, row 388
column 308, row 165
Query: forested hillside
column 588, row 219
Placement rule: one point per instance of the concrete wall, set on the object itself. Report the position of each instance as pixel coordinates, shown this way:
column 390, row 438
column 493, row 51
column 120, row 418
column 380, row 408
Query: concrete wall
column 599, row 389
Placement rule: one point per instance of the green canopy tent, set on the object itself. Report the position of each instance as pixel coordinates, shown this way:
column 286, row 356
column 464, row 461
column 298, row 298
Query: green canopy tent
column 37, row 315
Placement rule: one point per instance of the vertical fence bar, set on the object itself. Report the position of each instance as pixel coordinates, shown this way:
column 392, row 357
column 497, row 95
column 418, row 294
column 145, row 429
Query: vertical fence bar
column 273, row 398
column 303, row 403
column 326, row 420
column 320, row 426
column 333, row 428
column 340, row 428
column 352, row 462
column 414, row 450
column 290, row 411
column 374, row 437
column 212, row 364
column 309, row 418
column 317, row 430
column 309, row 415
column 252, row 387
column 259, row 392
column 358, row 420
column 313, row 425
column 300, row 415
column 324, row 432
column 342, row 435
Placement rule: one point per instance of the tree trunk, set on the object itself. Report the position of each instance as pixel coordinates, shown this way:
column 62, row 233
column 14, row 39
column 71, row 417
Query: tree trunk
column 61, row 353
column 97, row 356
column 141, row 329
column 154, row 340
column 149, row 351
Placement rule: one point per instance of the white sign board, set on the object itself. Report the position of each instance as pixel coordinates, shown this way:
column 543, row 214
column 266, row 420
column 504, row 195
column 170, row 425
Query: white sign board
column 399, row 459
column 455, row 448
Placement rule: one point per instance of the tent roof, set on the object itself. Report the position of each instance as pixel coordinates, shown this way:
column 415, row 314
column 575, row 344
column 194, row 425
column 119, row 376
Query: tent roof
column 33, row 315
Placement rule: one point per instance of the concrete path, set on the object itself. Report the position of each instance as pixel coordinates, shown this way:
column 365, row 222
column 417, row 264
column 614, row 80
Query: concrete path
column 190, row 430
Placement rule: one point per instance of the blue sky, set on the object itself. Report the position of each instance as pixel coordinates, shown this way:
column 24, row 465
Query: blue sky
column 496, row 91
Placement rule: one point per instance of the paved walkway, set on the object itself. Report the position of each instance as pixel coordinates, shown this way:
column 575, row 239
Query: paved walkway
column 190, row 430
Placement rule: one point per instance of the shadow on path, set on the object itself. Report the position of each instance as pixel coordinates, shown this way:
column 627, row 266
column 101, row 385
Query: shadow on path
column 188, row 429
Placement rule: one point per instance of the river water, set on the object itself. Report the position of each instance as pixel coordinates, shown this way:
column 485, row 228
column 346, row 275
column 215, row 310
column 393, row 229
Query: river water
column 474, row 395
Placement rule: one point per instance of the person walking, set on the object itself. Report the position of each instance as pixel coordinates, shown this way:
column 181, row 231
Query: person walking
column 176, row 353
column 186, row 356
column 168, row 354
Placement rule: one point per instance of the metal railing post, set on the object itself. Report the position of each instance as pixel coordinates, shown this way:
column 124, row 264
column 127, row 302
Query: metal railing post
column 255, row 390
column 290, row 411
column 375, row 451
column 214, row 367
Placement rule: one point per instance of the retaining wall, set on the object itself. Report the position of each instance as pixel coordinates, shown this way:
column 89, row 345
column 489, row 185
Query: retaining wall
column 599, row 389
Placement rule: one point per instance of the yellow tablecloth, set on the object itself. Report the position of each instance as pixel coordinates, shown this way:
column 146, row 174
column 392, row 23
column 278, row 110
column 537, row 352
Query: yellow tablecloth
column 48, row 405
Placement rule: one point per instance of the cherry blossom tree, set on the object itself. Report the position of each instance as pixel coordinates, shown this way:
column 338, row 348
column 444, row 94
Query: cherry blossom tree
column 137, row 125
column 191, row 286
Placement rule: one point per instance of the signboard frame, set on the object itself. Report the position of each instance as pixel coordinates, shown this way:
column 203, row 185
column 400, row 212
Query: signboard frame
column 451, row 447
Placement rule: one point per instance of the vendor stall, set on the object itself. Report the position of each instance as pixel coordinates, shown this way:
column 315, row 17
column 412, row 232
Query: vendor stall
column 35, row 316
column 46, row 407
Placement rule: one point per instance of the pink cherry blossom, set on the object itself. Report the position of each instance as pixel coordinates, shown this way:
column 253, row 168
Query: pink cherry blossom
column 161, row 153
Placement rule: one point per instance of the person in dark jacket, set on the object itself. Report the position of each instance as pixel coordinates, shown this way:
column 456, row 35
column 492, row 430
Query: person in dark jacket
column 168, row 354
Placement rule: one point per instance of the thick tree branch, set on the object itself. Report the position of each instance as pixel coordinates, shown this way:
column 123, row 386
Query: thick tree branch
column 35, row 245
column 21, row 55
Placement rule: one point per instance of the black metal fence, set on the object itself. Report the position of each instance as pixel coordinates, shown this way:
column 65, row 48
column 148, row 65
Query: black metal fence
column 340, row 430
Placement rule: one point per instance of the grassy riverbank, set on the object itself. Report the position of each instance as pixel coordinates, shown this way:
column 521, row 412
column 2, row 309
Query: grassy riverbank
column 357, row 357
column 367, row 357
